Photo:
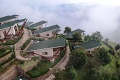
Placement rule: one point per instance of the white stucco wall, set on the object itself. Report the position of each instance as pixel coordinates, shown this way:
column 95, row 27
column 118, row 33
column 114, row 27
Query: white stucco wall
column 48, row 50
column 39, row 27
column 1, row 35
column 45, row 34
column 12, row 31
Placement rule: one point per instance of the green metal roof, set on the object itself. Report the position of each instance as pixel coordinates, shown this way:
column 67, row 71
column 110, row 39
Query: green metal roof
column 46, row 29
column 60, row 42
column 37, row 24
column 69, row 35
column 7, row 18
column 90, row 44
column 9, row 24
column 28, row 23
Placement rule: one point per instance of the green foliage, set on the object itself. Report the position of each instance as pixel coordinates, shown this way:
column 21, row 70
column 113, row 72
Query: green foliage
column 67, row 30
column 103, row 56
column 5, row 51
column 87, row 38
column 25, row 44
column 106, row 40
column 111, row 51
column 78, row 58
column 97, row 36
column 11, row 42
column 71, row 72
column 77, row 36
column 9, row 59
column 42, row 67
column 117, row 47
column 60, row 75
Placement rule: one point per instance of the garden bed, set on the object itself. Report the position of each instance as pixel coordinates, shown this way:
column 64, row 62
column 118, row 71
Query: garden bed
column 11, row 42
column 5, row 51
column 42, row 68
column 9, row 59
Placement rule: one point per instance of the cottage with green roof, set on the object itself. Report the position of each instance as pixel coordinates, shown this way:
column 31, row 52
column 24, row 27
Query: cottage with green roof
column 69, row 35
column 89, row 46
column 9, row 28
column 47, row 49
column 6, row 19
column 38, row 25
column 47, row 32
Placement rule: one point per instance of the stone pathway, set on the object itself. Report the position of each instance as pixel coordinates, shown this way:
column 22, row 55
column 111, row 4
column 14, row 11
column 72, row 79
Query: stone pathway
column 17, row 46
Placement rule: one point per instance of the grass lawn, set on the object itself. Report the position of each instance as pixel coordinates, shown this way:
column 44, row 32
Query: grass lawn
column 5, row 52
column 27, row 64
column 112, row 44
column 42, row 68
column 105, row 46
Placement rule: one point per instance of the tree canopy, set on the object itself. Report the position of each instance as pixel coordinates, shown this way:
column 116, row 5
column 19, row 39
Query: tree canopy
column 77, row 36
column 78, row 58
column 103, row 56
column 87, row 38
column 67, row 30
column 117, row 47
column 96, row 36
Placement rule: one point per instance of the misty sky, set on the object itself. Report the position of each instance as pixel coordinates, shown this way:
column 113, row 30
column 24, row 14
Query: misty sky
column 89, row 15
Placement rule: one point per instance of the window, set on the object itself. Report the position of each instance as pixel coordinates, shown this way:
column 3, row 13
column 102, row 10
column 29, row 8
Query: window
column 47, row 34
column 45, row 53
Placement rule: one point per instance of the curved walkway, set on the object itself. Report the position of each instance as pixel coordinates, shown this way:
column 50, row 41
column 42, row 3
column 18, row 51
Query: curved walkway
column 17, row 46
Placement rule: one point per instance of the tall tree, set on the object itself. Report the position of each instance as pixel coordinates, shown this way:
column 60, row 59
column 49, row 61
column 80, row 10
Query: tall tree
column 106, row 40
column 78, row 58
column 103, row 56
column 87, row 38
column 117, row 47
column 71, row 72
column 97, row 36
column 77, row 36
column 67, row 30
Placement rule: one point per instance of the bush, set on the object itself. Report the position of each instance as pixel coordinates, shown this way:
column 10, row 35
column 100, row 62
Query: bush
column 25, row 44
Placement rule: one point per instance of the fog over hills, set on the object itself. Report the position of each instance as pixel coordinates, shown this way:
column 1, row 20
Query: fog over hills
column 90, row 18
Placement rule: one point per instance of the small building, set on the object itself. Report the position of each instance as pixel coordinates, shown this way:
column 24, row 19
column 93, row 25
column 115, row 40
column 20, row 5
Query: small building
column 10, row 28
column 47, row 49
column 47, row 32
column 6, row 19
column 38, row 25
column 69, row 35
column 89, row 46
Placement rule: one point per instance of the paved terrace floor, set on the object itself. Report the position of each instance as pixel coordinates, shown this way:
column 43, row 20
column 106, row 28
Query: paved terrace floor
column 17, row 46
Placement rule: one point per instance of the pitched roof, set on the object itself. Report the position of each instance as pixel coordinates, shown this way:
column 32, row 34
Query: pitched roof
column 46, row 29
column 60, row 42
column 90, row 44
column 28, row 23
column 7, row 18
column 9, row 24
column 69, row 35
column 37, row 24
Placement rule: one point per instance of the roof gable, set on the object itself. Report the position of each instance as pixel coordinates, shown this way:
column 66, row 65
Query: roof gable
column 60, row 42
column 37, row 24
column 46, row 29
column 90, row 44
column 9, row 24
column 7, row 18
